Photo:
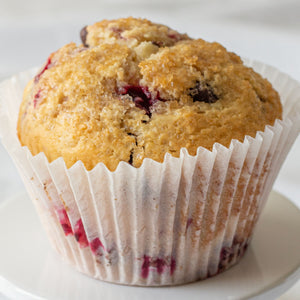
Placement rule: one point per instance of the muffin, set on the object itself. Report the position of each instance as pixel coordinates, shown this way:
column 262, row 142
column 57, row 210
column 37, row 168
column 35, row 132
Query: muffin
column 135, row 89
column 149, row 155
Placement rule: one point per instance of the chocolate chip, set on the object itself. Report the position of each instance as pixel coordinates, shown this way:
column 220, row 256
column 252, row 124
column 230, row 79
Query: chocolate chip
column 202, row 92
column 83, row 35
column 130, row 158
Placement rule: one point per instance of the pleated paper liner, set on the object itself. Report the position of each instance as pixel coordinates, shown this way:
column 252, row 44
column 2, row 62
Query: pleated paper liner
column 167, row 223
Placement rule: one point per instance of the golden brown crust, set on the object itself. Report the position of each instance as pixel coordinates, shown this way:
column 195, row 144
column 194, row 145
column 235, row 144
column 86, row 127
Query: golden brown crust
column 132, row 32
column 127, row 99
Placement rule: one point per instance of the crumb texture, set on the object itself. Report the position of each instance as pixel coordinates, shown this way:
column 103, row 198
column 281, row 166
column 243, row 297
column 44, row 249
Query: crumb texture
column 135, row 89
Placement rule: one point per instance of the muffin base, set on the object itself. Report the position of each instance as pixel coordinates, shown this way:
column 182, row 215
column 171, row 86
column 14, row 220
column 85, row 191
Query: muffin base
column 168, row 223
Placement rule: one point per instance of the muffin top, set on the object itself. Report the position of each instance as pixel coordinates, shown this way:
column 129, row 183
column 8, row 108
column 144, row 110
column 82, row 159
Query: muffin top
column 135, row 89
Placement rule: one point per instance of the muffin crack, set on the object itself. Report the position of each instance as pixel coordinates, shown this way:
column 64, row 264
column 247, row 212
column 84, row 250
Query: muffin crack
column 130, row 161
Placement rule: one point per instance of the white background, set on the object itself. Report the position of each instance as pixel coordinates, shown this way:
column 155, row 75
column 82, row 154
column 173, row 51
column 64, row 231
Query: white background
column 266, row 30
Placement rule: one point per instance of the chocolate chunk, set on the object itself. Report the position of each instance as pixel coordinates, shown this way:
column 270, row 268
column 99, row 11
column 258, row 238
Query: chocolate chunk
column 131, row 158
column 202, row 92
column 83, row 35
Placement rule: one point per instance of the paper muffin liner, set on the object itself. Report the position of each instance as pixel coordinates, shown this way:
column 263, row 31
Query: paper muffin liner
column 167, row 223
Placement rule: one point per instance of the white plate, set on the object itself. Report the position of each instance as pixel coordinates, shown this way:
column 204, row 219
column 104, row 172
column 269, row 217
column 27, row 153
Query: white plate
column 29, row 268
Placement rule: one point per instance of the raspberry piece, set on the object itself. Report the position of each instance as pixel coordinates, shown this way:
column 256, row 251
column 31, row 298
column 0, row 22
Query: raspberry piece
column 95, row 244
column 64, row 221
column 46, row 67
column 80, row 234
column 141, row 97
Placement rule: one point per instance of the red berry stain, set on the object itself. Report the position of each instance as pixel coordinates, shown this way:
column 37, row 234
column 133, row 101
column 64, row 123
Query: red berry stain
column 172, row 265
column 46, row 67
column 36, row 98
column 64, row 221
column 145, row 266
column 188, row 224
column 80, row 235
column 227, row 254
column 95, row 245
column 118, row 32
column 79, row 232
column 141, row 96
column 160, row 265
column 175, row 36
column 157, row 264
